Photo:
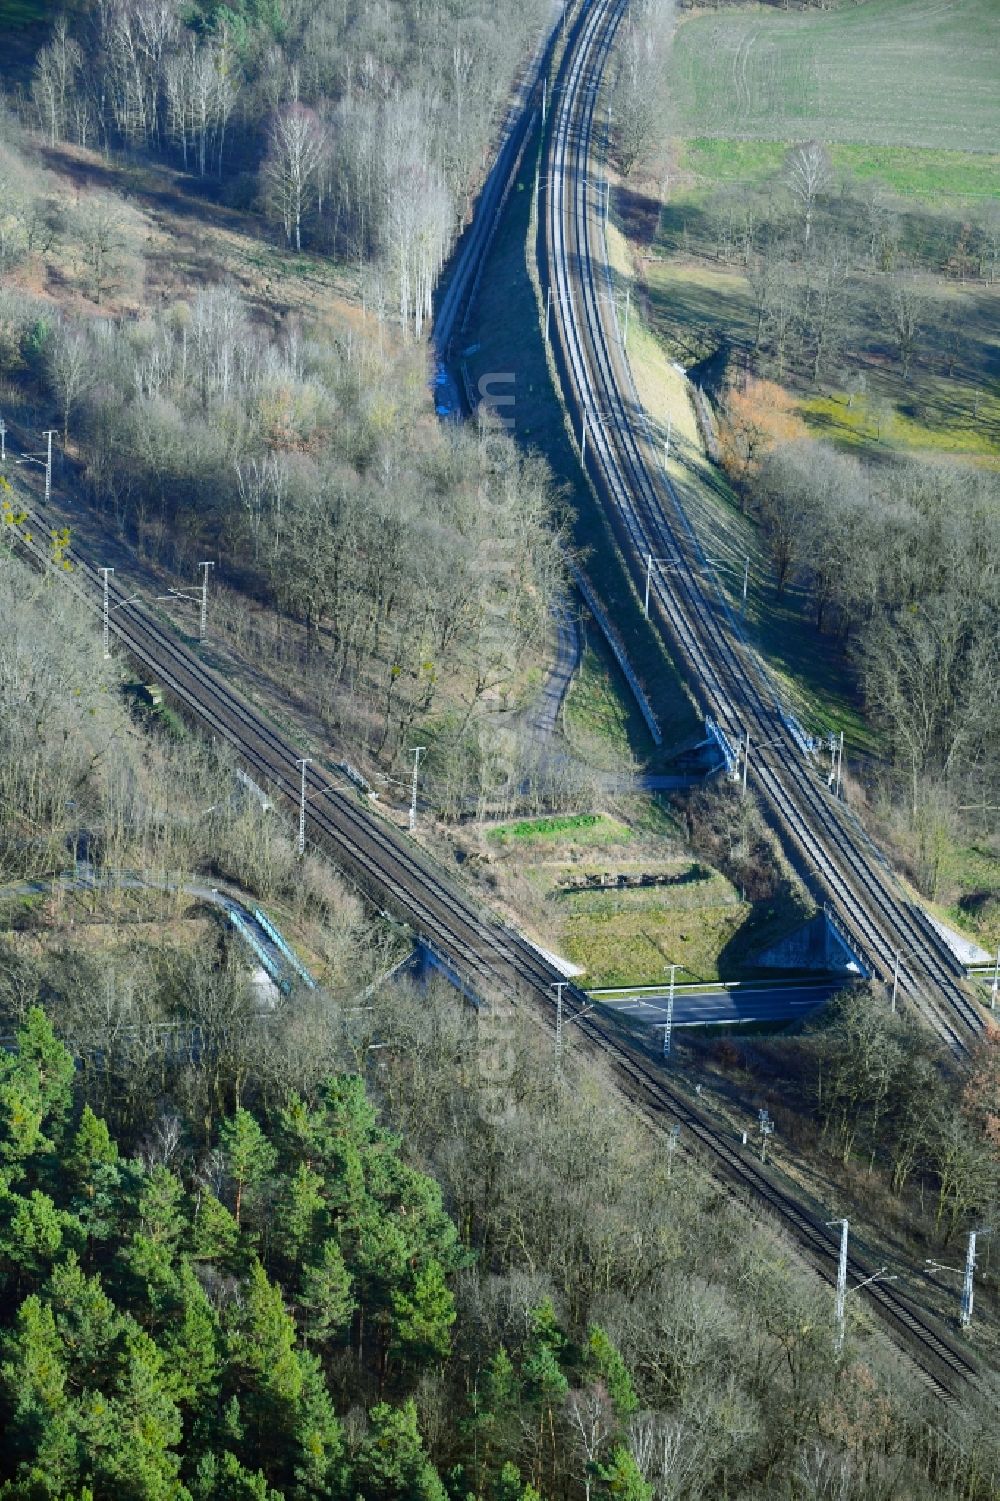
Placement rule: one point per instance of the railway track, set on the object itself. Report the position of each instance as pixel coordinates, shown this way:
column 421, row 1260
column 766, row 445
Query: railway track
column 838, row 863
column 489, row 955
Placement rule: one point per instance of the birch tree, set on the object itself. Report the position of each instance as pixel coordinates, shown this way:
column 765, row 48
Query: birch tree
column 808, row 173
column 296, row 147
column 69, row 363
column 56, row 70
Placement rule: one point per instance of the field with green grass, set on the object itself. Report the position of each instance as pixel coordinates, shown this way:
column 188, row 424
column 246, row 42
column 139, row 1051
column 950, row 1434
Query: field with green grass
column 620, row 895
column 697, row 919
column 582, row 830
column 910, row 73
column 904, row 93
column 924, row 175
column 627, row 937
column 577, row 881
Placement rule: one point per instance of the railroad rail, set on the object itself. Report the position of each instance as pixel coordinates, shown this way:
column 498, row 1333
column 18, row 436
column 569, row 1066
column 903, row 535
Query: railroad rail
column 487, row 953
column 822, row 841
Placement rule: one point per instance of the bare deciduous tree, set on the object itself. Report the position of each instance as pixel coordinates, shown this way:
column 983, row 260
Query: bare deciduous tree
column 921, row 670
column 100, row 228
column 808, row 173
column 54, row 80
column 903, row 313
column 591, row 1420
column 70, row 364
column 638, row 99
column 297, row 145
column 824, row 307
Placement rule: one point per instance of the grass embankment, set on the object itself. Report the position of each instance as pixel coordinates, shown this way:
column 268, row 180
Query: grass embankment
column 25, row 26
column 582, row 829
column 15, row 14
column 504, row 346
column 601, row 721
column 810, row 669
column 694, row 917
column 968, row 892
column 628, row 937
column 971, row 879
column 622, row 897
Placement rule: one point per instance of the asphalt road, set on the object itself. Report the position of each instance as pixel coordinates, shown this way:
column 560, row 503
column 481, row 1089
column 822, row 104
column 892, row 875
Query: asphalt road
column 543, row 716
column 749, row 1003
